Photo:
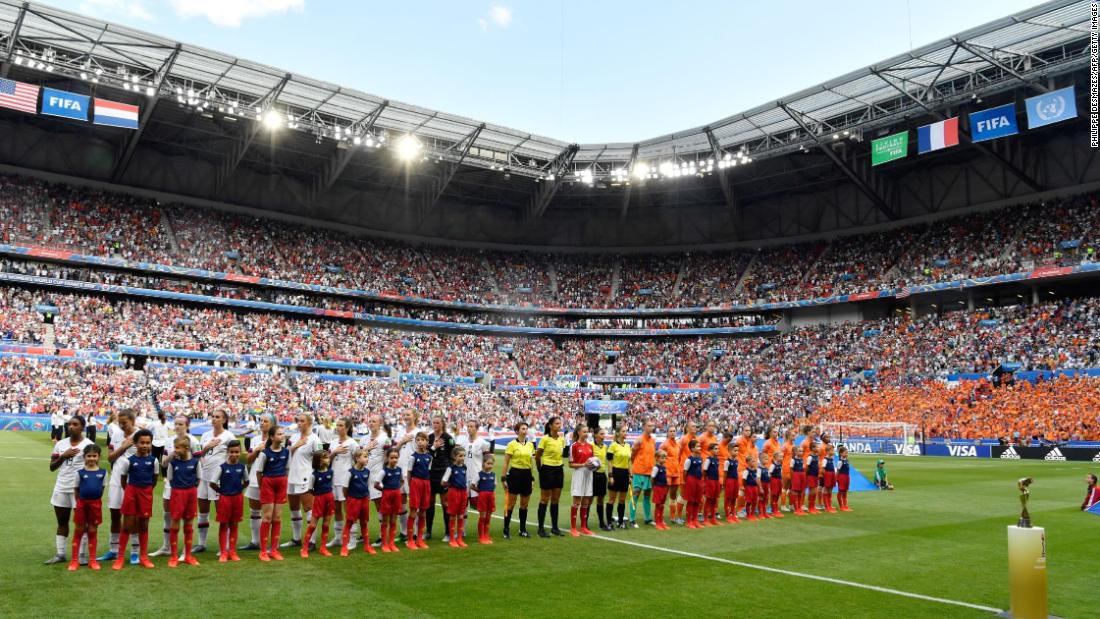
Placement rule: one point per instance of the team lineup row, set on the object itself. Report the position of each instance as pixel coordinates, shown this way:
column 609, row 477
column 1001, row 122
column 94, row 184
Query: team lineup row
column 403, row 476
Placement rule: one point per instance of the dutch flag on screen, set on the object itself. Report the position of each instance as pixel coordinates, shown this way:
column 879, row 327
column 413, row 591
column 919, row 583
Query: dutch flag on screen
column 938, row 135
column 115, row 114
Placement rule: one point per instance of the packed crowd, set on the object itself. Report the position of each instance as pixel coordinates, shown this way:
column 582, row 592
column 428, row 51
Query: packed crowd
column 847, row 371
column 31, row 386
column 897, row 349
column 1062, row 409
column 1061, row 231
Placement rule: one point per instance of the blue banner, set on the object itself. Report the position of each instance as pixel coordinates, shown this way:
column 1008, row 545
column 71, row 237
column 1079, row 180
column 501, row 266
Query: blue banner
column 64, row 104
column 43, row 308
column 1052, row 107
column 1071, row 244
column 605, row 407
column 996, row 122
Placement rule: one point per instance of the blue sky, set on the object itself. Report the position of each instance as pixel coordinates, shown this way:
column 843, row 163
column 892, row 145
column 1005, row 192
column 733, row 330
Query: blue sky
column 583, row 71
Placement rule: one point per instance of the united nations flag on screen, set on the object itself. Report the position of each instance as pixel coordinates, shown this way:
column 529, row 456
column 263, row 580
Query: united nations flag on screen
column 1052, row 107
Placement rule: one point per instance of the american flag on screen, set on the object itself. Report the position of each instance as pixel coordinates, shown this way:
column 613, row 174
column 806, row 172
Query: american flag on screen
column 18, row 96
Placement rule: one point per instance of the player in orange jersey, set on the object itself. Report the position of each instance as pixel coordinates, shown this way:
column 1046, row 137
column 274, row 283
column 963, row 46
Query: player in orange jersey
column 674, row 473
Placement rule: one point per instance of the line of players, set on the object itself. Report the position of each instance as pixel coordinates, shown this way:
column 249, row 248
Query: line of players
column 325, row 484
column 696, row 474
column 750, row 482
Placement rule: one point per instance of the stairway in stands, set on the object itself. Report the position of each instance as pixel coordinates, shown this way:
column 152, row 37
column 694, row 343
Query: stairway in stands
column 489, row 275
column 616, row 279
column 166, row 228
column 49, row 337
column 681, row 273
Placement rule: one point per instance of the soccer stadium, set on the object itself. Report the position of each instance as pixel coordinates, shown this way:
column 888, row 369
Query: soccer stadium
column 258, row 327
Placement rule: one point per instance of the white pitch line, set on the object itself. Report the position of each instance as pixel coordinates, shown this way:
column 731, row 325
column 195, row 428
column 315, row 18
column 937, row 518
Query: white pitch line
column 775, row 570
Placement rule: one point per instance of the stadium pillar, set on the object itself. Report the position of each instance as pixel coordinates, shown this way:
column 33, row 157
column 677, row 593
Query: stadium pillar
column 1027, row 573
column 970, row 300
column 1034, row 294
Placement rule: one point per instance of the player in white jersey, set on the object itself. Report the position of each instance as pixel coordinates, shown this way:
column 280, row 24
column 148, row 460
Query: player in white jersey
column 182, row 427
column 342, row 447
column 376, row 442
column 324, row 429
column 476, row 447
column 67, row 458
column 57, row 426
column 301, row 472
column 252, row 492
column 405, row 440
column 120, row 443
column 214, row 445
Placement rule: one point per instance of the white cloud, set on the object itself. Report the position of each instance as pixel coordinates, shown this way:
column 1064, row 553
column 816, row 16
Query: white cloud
column 230, row 13
column 498, row 15
column 133, row 9
column 501, row 15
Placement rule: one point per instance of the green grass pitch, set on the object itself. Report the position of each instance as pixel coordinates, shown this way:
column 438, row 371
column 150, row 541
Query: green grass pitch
column 941, row 534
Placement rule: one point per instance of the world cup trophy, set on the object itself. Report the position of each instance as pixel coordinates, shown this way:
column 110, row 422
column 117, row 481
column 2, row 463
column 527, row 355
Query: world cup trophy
column 1025, row 494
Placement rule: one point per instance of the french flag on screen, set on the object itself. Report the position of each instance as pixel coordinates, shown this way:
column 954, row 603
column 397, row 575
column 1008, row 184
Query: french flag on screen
column 115, row 114
column 938, row 135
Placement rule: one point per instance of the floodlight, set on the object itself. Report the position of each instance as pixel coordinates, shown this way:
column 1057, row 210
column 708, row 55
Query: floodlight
column 408, row 147
column 272, row 120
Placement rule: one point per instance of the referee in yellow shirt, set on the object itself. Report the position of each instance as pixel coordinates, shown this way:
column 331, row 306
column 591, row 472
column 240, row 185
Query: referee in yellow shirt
column 619, row 485
column 551, row 463
column 517, row 477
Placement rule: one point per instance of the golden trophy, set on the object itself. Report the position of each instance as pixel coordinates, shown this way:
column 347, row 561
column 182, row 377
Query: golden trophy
column 1025, row 518
column 1027, row 563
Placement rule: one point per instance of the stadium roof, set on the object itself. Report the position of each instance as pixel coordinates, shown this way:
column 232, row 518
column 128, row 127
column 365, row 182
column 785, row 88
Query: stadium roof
column 990, row 58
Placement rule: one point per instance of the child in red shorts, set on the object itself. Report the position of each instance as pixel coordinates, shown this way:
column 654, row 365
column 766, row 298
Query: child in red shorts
column 357, row 502
column 272, row 464
column 393, row 478
column 458, row 496
column 89, row 505
column 324, row 504
column 733, row 484
column 711, row 487
column 138, row 475
column 419, row 468
column 229, row 485
column 183, row 477
column 843, row 480
column 693, row 483
column 486, row 487
column 828, row 479
column 660, row 489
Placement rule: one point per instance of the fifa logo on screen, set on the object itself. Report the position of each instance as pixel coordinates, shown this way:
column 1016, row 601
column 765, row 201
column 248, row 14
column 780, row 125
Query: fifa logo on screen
column 993, row 123
column 67, row 104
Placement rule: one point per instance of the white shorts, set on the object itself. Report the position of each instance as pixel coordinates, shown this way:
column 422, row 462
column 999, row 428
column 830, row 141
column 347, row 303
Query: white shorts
column 207, row 493
column 297, row 489
column 375, row 493
column 252, row 492
column 337, row 493
column 582, row 482
column 167, row 494
column 63, row 499
column 114, row 497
